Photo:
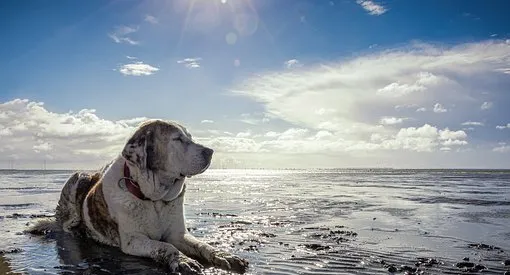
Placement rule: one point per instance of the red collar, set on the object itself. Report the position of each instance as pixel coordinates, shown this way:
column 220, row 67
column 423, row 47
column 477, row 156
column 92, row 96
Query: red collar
column 131, row 185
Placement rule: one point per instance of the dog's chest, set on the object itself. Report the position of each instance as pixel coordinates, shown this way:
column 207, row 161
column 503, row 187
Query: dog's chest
column 160, row 219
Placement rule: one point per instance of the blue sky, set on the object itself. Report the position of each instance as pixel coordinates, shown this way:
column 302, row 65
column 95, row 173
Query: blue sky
column 266, row 83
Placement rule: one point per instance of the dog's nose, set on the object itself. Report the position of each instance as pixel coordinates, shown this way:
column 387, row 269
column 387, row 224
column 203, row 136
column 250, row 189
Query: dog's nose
column 207, row 153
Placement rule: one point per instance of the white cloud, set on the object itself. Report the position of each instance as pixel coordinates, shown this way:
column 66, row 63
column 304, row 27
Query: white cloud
column 190, row 63
column 83, row 140
column 231, row 144
column 132, row 122
column 70, row 140
column 486, row 105
column 447, row 134
column 137, row 69
column 323, row 135
column 450, row 142
column 323, row 111
column 206, row 121
column 369, row 87
column 405, row 106
column 131, row 57
column 42, row 146
column 500, row 127
column 423, row 81
column 272, row 134
column 120, row 35
column 290, row 134
column 472, row 123
column 243, row 134
column 293, row 63
column 255, row 119
column 151, row 19
column 351, row 86
column 371, row 7
column 438, row 108
column 424, row 139
column 502, row 148
column 391, row 120
column 302, row 141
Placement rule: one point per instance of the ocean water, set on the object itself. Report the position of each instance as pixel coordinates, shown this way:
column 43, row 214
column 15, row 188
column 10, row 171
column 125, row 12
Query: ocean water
column 293, row 222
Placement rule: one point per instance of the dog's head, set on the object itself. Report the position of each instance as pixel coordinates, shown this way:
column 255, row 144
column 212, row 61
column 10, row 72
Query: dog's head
column 162, row 154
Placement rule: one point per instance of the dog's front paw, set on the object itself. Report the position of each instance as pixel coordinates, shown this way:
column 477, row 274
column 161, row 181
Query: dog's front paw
column 227, row 261
column 186, row 266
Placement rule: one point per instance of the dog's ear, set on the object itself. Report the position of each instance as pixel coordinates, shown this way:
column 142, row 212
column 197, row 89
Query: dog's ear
column 140, row 150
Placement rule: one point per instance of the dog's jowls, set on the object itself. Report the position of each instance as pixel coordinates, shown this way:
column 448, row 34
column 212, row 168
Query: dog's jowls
column 149, row 222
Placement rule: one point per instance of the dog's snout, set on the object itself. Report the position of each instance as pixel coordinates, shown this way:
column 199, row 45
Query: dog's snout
column 207, row 153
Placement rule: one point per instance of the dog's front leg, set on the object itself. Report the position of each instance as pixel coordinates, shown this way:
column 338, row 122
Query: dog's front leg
column 161, row 252
column 195, row 248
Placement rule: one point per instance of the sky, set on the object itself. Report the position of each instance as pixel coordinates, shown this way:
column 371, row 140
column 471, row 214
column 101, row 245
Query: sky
column 266, row 84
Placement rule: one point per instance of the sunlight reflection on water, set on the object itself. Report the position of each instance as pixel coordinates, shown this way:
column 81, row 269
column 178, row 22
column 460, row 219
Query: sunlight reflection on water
column 295, row 221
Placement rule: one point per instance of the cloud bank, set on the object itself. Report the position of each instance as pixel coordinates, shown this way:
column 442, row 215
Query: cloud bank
column 31, row 134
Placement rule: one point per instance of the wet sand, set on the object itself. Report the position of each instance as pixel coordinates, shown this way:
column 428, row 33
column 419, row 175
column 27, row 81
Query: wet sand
column 296, row 222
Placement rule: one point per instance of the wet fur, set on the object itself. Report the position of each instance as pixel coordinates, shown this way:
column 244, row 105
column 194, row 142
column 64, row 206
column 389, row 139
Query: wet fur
column 94, row 205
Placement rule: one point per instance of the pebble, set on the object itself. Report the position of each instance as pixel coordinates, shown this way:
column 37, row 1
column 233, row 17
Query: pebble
column 408, row 269
column 428, row 262
column 464, row 264
column 392, row 269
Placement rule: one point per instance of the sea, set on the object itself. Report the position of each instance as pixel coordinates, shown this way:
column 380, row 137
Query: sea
column 313, row 221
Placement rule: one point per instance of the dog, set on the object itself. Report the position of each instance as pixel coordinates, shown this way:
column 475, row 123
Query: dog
column 136, row 201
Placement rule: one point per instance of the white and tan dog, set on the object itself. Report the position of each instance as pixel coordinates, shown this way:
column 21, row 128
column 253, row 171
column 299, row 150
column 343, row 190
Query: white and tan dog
column 136, row 203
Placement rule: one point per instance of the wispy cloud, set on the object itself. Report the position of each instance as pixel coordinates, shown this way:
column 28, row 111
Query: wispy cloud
column 438, row 108
column 151, row 19
column 120, row 35
column 137, row 69
column 472, row 123
column 206, row 121
column 371, row 7
column 131, row 57
column 292, row 63
column 501, row 127
column 191, row 63
column 255, row 119
column 486, row 105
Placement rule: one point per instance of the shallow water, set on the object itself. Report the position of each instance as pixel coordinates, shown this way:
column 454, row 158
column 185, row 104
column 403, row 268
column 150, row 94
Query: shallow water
column 293, row 222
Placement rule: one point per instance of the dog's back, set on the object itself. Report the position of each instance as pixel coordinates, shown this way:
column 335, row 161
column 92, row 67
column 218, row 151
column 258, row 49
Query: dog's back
column 69, row 209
